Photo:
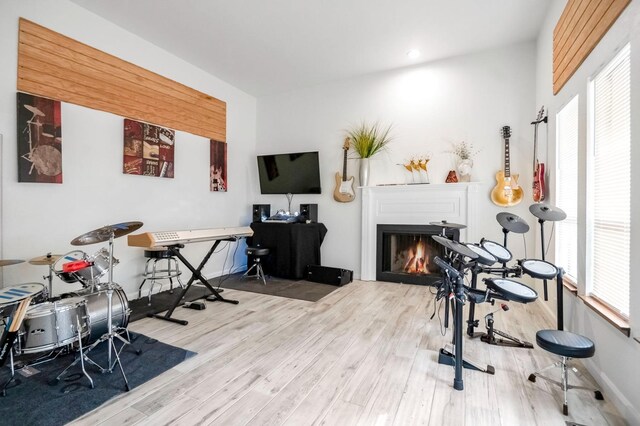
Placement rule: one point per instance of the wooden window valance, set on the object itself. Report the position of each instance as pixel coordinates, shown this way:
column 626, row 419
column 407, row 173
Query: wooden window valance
column 58, row 67
column 581, row 26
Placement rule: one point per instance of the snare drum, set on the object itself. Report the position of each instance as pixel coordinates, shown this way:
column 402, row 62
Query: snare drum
column 51, row 325
column 498, row 250
column 71, row 257
column 97, row 267
column 539, row 269
column 511, row 290
column 484, row 256
column 97, row 307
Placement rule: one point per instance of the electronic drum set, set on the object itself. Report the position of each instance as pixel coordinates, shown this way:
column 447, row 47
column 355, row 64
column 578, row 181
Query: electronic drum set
column 489, row 257
column 35, row 322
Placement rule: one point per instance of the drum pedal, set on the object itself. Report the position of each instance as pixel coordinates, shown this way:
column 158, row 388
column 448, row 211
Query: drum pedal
column 198, row 306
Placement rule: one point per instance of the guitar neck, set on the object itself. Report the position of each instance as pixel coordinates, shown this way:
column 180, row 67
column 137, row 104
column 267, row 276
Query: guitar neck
column 507, row 162
column 344, row 167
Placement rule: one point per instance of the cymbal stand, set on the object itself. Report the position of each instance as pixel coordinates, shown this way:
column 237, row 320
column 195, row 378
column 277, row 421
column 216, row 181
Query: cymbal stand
column 82, row 358
column 544, row 281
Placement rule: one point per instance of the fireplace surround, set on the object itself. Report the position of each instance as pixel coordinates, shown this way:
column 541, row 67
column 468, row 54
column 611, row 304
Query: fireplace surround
column 414, row 205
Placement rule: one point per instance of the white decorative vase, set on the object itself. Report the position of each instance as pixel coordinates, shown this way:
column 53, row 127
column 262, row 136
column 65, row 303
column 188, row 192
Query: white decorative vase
column 364, row 171
column 464, row 170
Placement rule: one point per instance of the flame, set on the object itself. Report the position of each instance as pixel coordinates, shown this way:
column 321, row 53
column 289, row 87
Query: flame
column 418, row 258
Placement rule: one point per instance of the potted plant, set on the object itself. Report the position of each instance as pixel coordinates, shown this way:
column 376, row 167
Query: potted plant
column 368, row 140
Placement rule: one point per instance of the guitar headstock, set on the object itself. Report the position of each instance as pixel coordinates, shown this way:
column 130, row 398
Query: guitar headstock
column 347, row 142
column 540, row 113
column 506, row 132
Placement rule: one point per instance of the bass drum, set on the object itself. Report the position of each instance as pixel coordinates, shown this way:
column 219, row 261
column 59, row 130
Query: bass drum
column 97, row 307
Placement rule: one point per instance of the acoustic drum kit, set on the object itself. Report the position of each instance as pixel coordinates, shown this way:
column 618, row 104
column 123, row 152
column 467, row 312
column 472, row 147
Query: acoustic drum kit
column 461, row 258
column 35, row 322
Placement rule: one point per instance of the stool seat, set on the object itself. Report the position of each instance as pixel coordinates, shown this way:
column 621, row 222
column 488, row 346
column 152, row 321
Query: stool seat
column 257, row 251
column 565, row 343
column 159, row 253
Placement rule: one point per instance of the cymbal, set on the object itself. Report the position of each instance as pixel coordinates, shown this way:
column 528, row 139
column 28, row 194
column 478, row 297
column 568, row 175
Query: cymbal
column 445, row 224
column 456, row 247
column 547, row 212
column 47, row 259
column 512, row 223
column 10, row 262
column 34, row 110
column 103, row 234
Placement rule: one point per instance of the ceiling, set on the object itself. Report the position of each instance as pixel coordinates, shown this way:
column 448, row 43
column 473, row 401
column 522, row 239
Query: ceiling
column 266, row 47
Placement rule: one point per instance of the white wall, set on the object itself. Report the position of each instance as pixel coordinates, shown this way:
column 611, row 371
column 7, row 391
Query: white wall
column 465, row 98
column 41, row 218
column 615, row 364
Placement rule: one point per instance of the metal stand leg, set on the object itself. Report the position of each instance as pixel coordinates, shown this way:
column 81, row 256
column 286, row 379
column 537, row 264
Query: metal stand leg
column 13, row 374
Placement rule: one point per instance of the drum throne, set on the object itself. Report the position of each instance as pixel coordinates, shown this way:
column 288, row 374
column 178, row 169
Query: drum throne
column 567, row 345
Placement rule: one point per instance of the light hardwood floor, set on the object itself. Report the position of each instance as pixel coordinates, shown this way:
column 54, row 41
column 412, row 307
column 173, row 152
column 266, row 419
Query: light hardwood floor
column 364, row 355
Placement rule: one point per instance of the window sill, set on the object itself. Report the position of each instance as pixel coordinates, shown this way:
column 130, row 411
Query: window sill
column 607, row 314
column 570, row 285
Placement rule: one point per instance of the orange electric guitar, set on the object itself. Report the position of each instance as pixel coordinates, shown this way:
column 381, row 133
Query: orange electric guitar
column 538, row 167
column 506, row 193
column 344, row 192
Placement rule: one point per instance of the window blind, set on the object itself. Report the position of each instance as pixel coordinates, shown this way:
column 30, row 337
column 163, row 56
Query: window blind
column 610, row 184
column 567, row 188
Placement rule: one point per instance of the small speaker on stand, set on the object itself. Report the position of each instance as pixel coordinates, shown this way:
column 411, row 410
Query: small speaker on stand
column 309, row 212
column 261, row 212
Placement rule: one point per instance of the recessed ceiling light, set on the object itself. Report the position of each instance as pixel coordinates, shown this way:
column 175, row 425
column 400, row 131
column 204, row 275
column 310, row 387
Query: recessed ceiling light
column 413, row 54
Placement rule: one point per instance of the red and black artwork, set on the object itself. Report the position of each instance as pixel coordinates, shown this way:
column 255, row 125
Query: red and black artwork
column 39, row 139
column 218, row 170
column 148, row 149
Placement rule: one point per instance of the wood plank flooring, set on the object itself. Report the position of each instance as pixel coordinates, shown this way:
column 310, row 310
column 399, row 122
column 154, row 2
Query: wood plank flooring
column 366, row 354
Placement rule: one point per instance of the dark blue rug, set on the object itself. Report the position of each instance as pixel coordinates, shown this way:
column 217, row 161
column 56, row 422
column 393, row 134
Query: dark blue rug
column 37, row 401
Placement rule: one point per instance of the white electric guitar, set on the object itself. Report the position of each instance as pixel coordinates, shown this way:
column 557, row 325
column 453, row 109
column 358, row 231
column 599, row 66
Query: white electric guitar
column 344, row 192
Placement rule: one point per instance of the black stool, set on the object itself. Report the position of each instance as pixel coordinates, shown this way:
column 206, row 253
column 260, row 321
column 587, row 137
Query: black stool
column 568, row 345
column 154, row 255
column 257, row 252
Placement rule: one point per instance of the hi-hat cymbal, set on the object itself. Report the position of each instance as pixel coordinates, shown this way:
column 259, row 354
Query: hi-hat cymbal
column 103, row 234
column 34, row 110
column 47, row 259
column 512, row 223
column 8, row 262
column 547, row 212
column 456, row 247
column 445, row 224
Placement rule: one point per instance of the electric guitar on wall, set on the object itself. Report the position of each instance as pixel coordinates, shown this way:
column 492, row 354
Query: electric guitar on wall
column 344, row 192
column 538, row 167
column 506, row 193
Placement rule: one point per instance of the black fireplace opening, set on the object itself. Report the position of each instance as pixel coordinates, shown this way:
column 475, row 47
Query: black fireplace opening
column 404, row 253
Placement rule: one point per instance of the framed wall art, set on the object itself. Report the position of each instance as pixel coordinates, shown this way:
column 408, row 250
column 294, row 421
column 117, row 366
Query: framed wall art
column 39, row 139
column 218, row 166
column 148, row 149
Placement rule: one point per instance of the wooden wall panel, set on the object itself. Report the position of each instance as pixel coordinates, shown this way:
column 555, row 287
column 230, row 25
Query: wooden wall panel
column 581, row 26
column 58, row 67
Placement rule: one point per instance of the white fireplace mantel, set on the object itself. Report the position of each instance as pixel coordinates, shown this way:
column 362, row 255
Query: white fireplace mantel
column 414, row 205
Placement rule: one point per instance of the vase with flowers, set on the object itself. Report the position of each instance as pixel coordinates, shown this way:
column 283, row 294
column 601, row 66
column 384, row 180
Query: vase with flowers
column 367, row 140
column 464, row 161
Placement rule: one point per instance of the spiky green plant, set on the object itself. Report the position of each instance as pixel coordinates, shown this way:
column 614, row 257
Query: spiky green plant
column 368, row 140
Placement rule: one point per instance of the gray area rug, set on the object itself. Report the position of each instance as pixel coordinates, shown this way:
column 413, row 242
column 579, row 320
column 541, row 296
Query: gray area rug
column 35, row 400
column 301, row 289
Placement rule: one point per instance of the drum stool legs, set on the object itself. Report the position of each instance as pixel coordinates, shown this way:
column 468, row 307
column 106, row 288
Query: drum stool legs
column 568, row 345
column 153, row 274
column 257, row 252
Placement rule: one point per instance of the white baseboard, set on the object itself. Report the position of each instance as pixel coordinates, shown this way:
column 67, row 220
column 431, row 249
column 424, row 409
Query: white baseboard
column 612, row 394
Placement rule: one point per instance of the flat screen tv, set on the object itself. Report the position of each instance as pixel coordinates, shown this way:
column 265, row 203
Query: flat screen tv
column 294, row 173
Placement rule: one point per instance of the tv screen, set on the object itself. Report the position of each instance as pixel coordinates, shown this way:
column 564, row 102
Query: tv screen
column 294, row 173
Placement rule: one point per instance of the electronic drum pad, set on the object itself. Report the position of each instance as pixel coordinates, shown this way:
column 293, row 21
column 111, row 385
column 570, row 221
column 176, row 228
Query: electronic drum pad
column 512, row 223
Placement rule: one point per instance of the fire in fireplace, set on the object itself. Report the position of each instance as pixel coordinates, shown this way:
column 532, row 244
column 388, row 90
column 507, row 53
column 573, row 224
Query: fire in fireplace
column 405, row 253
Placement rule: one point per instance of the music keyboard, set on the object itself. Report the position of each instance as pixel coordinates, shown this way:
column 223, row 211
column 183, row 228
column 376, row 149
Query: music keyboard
column 167, row 238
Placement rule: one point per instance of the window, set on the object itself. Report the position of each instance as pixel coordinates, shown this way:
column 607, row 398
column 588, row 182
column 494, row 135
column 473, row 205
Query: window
column 609, row 185
column 567, row 188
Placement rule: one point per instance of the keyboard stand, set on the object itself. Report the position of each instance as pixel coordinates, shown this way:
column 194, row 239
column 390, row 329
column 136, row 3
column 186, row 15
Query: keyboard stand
column 196, row 273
